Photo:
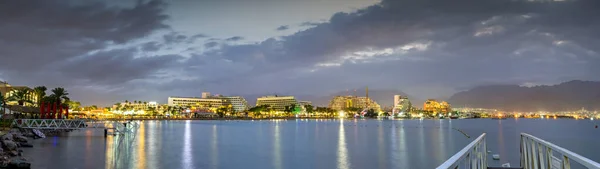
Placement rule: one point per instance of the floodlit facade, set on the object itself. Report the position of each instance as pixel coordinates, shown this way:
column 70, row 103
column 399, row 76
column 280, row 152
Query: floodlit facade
column 239, row 103
column 137, row 106
column 402, row 104
column 277, row 103
column 6, row 90
column 208, row 101
column 435, row 106
column 344, row 102
column 200, row 102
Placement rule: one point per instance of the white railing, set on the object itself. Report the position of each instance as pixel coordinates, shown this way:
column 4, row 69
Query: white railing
column 59, row 124
column 49, row 124
column 473, row 156
column 538, row 154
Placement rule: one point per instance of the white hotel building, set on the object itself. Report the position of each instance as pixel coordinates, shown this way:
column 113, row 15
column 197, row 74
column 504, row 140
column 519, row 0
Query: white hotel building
column 238, row 103
column 277, row 103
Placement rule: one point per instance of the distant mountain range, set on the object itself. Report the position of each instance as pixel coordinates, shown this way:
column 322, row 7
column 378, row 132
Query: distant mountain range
column 567, row 96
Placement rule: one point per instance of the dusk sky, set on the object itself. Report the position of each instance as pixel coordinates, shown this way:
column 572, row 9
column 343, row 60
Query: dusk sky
column 105, row 51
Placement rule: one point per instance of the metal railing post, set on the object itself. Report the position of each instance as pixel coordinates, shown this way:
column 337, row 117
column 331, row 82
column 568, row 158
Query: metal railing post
column 469, row 157
column 544, row 158
column 534, row 156
column 540, row 156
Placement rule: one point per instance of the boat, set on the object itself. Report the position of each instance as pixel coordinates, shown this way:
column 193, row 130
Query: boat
column 38, row 133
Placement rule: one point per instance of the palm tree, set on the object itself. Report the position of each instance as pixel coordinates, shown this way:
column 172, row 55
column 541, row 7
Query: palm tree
column 40, row 93
column 2, row 103
column 60, row 95
column 21, row 96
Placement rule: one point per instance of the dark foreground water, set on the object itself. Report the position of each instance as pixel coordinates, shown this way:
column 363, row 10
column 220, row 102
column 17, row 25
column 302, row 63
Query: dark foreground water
column 303, row 144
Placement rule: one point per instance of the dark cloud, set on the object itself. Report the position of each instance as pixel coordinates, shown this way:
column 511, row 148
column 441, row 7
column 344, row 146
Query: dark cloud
column 235, row 38
column 210, row 44
column 174, row 37
column 42, row 32
column 117, row 66
column 441, row 45
column 199, row 36
column 151, row 46
column 49, row 43
column 193, row 38
column 310, row 24
column 282, row 28
column 426, row 48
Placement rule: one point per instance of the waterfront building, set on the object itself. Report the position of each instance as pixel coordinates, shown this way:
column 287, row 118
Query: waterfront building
column 277, row 103
column 208, row 101
column 475, row 110
column 7, row 90
column 433, row 105
column 238, row 102
column 345, row 102
column 137, row 105
column 402, row 104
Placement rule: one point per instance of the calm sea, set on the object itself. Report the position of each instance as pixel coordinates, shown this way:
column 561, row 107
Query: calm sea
column 304, row 144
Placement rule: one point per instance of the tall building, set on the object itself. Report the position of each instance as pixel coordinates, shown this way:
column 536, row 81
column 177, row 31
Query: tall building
column 206, row 95
column 344, row 102
column 397, row 99
column 401, row 104
column 277, row 103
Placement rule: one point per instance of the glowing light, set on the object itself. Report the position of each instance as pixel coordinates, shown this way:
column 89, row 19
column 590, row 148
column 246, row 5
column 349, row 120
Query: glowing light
column 342, row 114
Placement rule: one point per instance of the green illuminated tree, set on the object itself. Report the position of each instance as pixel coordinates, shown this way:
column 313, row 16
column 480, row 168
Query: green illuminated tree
column 39, row 93
column 59, row 95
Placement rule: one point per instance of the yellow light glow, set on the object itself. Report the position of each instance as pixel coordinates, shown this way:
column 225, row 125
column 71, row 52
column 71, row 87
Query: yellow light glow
column 342, row 114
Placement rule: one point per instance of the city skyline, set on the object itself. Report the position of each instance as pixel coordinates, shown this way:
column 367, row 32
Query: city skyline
column 104, row 51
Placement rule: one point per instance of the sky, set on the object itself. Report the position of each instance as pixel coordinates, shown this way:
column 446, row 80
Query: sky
column 106, row 51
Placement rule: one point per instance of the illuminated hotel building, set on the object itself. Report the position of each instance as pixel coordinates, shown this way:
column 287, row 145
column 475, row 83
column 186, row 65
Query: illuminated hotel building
column 402, row 104
column 238, row 103
column 6, row 90
column 344, row 102
column 277, row 103
column 138, row 105
column 196, row 101
column 435, row 106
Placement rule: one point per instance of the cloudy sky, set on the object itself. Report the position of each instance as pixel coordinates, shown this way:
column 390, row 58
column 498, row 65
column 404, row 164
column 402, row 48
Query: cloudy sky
column 104, row 51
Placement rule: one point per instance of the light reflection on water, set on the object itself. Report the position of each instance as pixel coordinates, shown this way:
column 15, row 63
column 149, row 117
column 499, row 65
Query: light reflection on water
column 214, row 148
column 277, row 163
column 140, row 148
column 293, row 144
column 187, row 156
column 342, row 153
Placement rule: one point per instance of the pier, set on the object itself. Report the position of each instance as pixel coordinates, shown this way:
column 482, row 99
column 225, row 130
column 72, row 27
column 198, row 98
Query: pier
column 116, row 127
column 535, row 154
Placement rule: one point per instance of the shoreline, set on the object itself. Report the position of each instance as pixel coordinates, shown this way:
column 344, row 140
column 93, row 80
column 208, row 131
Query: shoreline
column 309, row 118
column 11, row 154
